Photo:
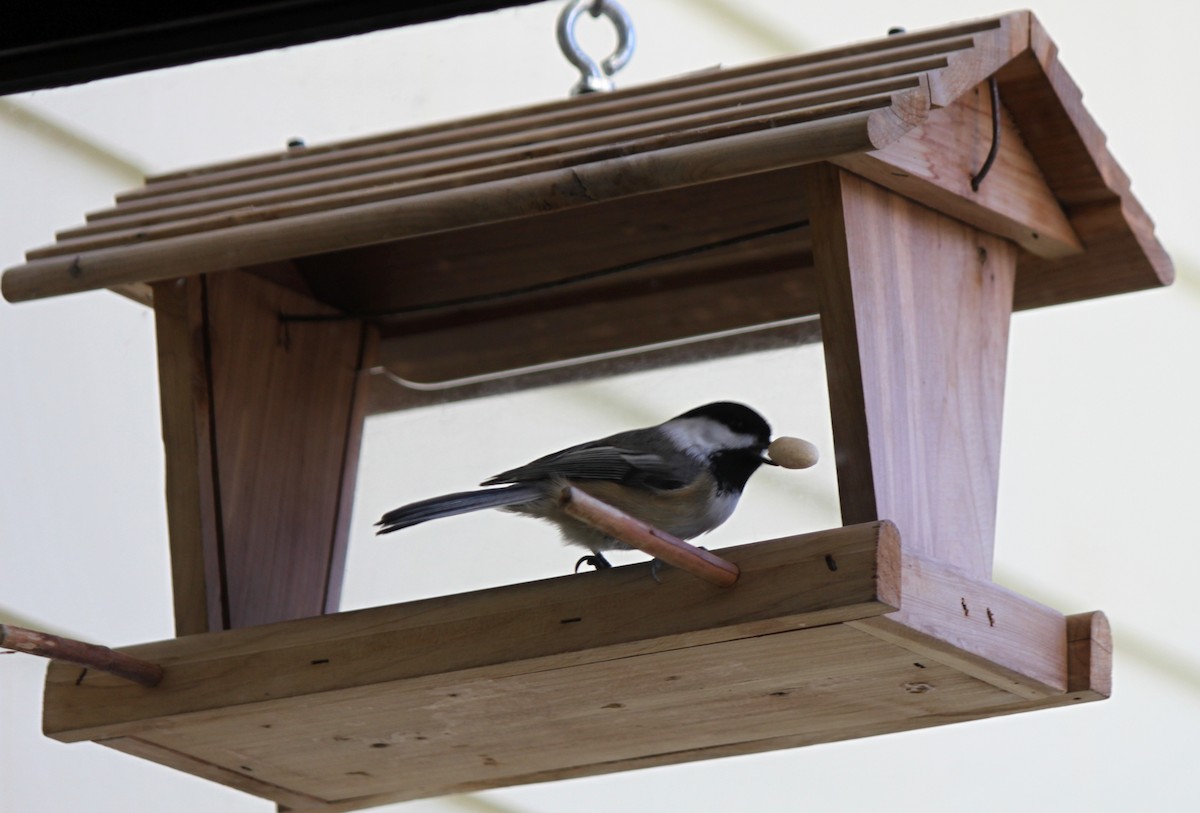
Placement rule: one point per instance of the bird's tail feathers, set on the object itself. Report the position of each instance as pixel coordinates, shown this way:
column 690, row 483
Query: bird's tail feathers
column 461, row 502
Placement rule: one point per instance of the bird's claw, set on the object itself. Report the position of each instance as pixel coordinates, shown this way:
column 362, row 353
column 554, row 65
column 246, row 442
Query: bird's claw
column 656, row 566
column 595, row 559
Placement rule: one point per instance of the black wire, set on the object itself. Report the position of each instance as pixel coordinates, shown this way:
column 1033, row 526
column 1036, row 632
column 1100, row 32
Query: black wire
column 538, row 287
column 995, row 148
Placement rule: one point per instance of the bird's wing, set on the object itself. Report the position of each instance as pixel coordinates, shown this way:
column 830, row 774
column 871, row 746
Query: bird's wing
column 601, row 461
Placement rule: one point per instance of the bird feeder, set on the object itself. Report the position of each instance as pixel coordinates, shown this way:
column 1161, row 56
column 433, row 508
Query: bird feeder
column 911, row 191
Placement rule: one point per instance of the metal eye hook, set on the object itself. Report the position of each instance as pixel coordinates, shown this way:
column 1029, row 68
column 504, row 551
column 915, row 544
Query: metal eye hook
column 595, row 77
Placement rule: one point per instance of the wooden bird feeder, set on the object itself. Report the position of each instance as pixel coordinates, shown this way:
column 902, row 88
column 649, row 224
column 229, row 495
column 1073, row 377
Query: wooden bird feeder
column 836, row 183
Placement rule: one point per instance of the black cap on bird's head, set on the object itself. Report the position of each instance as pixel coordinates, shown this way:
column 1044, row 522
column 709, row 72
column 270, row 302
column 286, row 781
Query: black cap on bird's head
column 738, row 417
column 733, row 464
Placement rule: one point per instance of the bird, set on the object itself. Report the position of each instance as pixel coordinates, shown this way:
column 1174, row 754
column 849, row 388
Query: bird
column 683, row 476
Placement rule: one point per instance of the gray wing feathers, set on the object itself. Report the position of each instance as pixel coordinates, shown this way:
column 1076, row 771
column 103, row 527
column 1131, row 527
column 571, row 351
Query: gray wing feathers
column 595, row 463
column 608, row 459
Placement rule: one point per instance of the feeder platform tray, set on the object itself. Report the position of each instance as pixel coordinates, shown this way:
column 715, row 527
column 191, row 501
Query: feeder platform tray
column 588, row 674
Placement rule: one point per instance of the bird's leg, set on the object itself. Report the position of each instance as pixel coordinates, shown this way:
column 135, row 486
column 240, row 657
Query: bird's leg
column 596, row 560
column 656, row 566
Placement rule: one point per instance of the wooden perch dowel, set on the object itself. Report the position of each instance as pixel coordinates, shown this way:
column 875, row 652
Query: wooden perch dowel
column 661, row 545
column 89, row 655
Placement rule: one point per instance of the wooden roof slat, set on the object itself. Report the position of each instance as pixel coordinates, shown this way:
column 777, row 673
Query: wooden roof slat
column 486, row 169
column 525, row 132
column 524, row 127
column 1047, row 106
column 896, row 48
column 993, row 49
column 324, row 196
column 529, row 195
column 672, row 119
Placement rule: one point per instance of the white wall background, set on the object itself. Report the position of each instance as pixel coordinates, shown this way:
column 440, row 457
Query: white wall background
column 1098, row 479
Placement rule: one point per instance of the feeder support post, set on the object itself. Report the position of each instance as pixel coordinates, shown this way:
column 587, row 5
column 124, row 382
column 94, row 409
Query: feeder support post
column 915, row 310
column 261, row 422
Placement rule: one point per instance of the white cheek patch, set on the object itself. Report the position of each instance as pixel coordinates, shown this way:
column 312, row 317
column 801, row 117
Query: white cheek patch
column 700, row 437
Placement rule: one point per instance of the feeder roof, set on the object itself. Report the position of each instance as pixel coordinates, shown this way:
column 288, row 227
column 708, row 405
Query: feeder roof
column 523, row 199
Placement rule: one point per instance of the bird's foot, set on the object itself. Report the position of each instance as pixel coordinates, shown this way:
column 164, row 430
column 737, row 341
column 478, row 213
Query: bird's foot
column 596, row 560
column 656, row 566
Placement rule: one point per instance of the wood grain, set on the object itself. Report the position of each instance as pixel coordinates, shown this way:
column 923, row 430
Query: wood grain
column 253, row 243
column 1047, row 107
column 992, row 49
column 286, row 422
column 522, row 629
column 261, row 426
column 424, row 741
column 529, row 151
column 287, row 800
column 1089, row 656
column 304, row 198
column 596, row 319
column 1089, row 679
column 514, row 166
column 846, row 64
column 358, row 408
column 1088, row 686
column 933, row 164
column 193, row 516
column 914, row 312
column 589, row 674
column 979, row 628
column 490, row 259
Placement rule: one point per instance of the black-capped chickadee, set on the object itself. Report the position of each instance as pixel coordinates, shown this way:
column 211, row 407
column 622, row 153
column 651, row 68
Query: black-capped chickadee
column 684, row 476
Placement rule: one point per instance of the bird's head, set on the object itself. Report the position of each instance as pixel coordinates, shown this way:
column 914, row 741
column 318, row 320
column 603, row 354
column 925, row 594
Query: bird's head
column 732, row 438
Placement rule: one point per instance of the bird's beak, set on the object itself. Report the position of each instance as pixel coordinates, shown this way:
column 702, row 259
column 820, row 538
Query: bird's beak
column 768, row 461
